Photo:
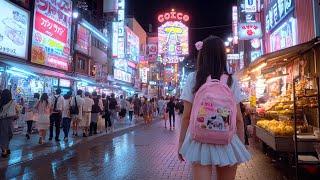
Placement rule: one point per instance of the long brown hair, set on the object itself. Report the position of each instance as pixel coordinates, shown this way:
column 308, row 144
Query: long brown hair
column 211, row 61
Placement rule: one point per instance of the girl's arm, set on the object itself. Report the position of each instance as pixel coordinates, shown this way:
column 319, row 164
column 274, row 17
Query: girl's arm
column 185, row 122
column 240, row 125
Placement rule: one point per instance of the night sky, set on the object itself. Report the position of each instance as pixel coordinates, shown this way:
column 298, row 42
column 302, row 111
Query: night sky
column 203, row 13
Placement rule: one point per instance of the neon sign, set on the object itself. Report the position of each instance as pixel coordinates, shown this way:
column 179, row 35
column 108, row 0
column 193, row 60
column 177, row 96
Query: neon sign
column 173, row 16
column 173, row 39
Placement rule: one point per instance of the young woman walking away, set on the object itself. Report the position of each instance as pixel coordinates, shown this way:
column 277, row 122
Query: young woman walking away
column 203, row 156
column 8, row 113
column 44, row 109
column 131, row 109
column 31, row 114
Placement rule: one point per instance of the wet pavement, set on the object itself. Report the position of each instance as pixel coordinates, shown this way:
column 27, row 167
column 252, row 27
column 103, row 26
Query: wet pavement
column 141, row 152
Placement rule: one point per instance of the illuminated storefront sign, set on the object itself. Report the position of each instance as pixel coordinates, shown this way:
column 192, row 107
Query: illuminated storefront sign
column 122, row 76
column 144, row 74
column 173, row 16
column 121, row 64
column 133, row 49
column 152, row 48
column 83, row 40
column 51, row 35
column 115, row 39
column 173, row 39
column 255, row 55
column 172, row 59
column 233, row 56
column 249, row 31
column 256, row 43
column 170, row 73
column 235, row 24
column 285, row 36
column 277, row 11
column 14, row 30
column 65, row 83
column 131, row 64
column 250, row 6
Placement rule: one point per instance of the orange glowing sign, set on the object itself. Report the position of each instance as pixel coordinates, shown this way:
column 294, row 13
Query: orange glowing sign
column 173, row 16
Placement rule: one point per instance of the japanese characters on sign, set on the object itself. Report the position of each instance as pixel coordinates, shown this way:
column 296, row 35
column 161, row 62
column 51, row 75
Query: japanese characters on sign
column 277, row 11
column 144, row 74
column 51, row 36
column 115, row 39
column 133, row 49
column 83, row 40
column 235, row 24
column 13, row 30
column 249, row 31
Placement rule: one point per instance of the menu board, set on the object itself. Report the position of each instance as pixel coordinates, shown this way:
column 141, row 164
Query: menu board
column 14, row 30
column 51, row 35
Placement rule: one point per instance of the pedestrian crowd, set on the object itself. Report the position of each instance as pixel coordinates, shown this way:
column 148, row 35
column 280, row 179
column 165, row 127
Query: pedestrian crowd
column 88, row 113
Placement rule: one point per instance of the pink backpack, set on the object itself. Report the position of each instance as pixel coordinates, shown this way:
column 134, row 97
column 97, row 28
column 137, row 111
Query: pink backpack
column 214, row 111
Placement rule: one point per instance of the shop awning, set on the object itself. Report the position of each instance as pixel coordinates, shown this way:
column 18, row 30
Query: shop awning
column 284, row 54
column 37, row 70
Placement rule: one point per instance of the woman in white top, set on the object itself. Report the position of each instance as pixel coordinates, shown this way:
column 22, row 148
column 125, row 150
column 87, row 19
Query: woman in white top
column 8, row 113
column 204, row 157
column 44, row 110
column 31, row 114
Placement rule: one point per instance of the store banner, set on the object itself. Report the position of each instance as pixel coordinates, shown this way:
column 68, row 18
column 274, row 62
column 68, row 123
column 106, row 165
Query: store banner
column 248, row 31
column 14, row 30
column 276, row 11
column 52, row 33
column 83, row 40
column 115, row 39
column 250, row 6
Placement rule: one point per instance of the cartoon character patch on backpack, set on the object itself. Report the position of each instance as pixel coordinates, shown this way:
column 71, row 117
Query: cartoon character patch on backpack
column 214, row 112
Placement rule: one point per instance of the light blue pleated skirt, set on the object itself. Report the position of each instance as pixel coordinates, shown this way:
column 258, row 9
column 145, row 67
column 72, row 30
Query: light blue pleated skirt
column 217, row 155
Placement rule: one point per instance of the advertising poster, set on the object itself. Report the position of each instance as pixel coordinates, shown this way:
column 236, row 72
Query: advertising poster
column 51, row 36
column 83, row 40
column 173, row 39
column 284, row 36
column 13, row 30
column 133, row 49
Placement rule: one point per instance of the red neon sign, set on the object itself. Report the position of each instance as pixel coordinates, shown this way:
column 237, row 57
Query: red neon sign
column 173, row 16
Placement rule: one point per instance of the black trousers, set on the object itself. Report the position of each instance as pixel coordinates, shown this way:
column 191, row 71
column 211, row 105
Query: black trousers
column 55, row 120
column 93, row 128
column 172, row 118
column 29, row 127
column 107, row 120
column 66, row 126
column 130, row 115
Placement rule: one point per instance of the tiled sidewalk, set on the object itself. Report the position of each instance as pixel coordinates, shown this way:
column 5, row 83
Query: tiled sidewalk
column 24, row 150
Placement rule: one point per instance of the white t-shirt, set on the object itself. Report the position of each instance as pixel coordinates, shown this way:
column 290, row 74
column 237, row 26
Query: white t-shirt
column 80, row 103
column 188, row 95
column 66, row 108
column 60, row 102
column 88, row 102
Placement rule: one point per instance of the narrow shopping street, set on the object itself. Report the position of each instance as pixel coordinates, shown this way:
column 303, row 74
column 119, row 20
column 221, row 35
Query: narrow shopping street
column 143, row 153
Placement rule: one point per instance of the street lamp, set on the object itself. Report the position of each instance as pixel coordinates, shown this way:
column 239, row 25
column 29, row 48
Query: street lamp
column 75, row 14
column 230, row 39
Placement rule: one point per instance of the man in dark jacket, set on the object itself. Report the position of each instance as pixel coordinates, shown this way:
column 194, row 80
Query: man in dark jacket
column 170, row 109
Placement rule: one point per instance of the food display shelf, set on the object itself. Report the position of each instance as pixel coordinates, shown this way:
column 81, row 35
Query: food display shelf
column 281, row 143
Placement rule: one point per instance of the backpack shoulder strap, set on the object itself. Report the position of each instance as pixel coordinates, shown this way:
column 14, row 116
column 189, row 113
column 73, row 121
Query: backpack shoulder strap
column 226, row 79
